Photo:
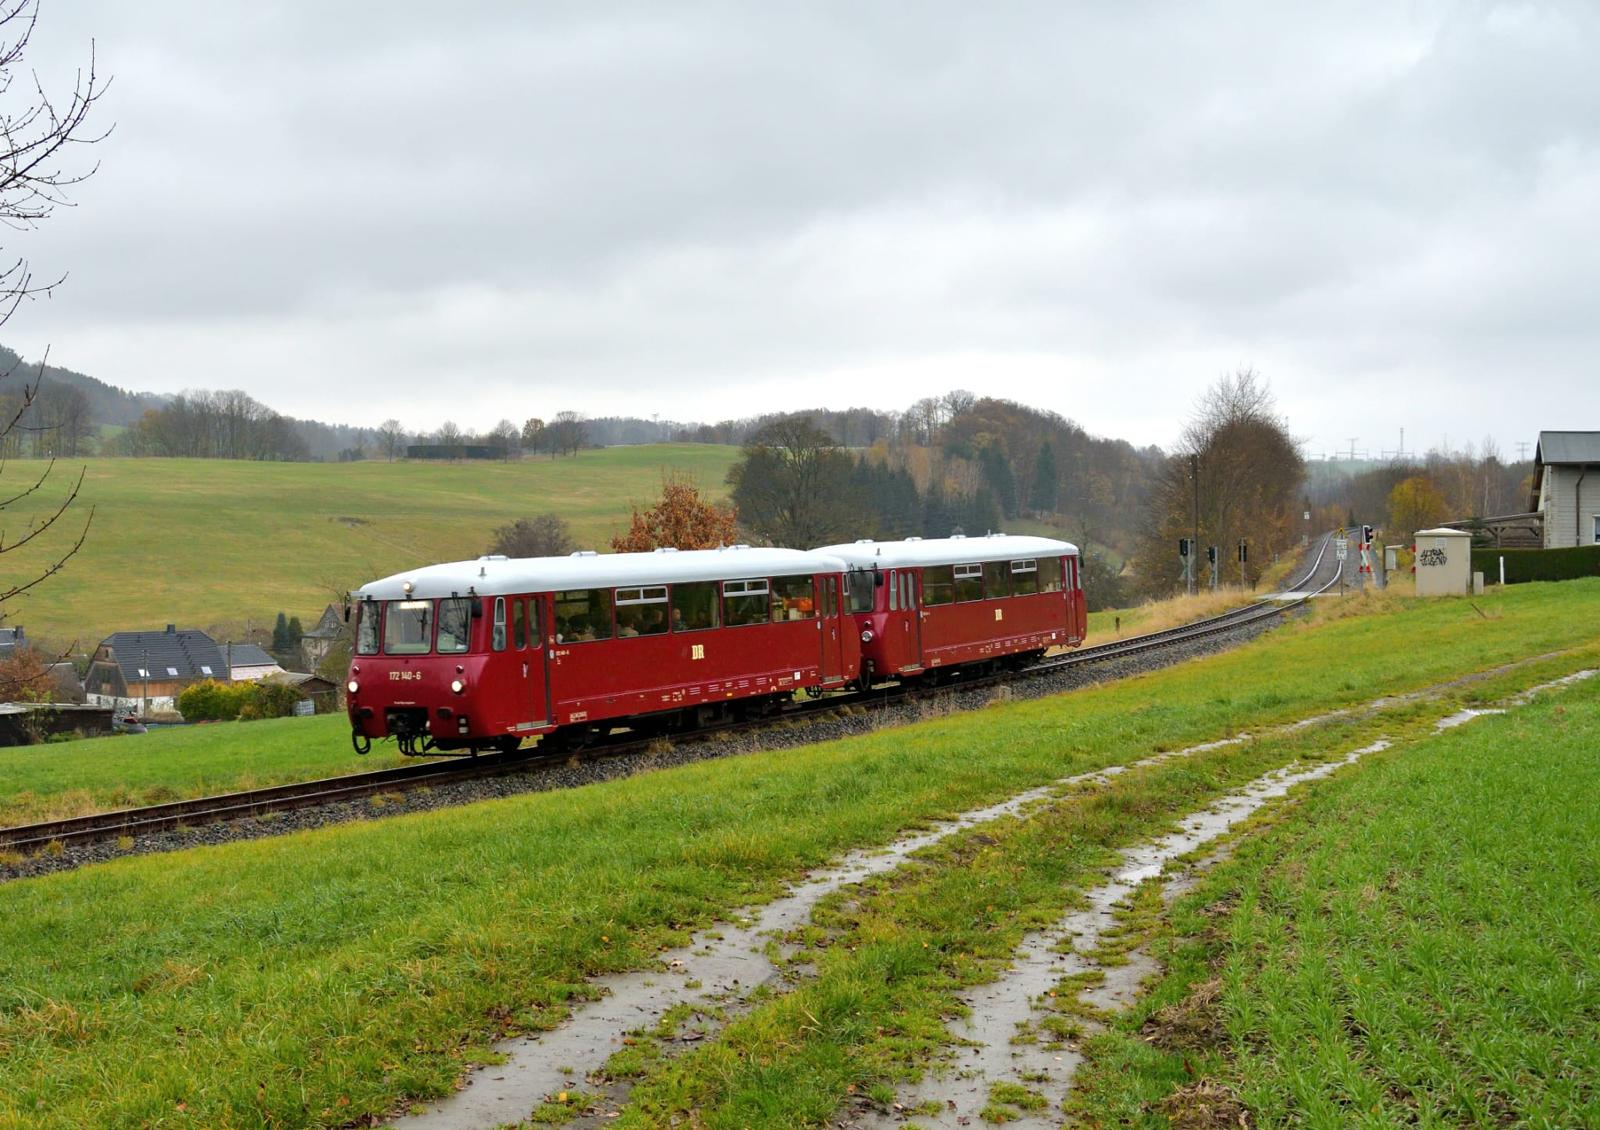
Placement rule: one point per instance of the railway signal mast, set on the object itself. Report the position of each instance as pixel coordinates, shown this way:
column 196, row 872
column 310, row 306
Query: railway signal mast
column 1187, row 558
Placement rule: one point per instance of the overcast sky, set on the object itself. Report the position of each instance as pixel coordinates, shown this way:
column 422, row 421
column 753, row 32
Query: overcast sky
column 503, row 209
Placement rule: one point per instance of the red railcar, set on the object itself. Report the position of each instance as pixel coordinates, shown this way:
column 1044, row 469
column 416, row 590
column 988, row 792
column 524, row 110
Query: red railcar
column 925, row 606
column 481, row 654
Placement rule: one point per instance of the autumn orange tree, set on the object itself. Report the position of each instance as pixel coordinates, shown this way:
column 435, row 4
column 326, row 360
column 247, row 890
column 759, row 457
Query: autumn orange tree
column 683, row 518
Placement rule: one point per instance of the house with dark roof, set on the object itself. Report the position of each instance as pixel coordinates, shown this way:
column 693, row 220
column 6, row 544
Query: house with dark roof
column 10, row 640
column 147, row 670
column 322, row 639
column 1566, row 487
column 247, row 662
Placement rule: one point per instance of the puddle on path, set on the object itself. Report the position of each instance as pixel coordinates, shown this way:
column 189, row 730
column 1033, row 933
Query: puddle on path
column 1002, row 1009
column 728, row 962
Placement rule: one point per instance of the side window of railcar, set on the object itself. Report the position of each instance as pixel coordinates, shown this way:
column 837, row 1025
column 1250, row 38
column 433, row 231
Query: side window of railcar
column 519, row 628
column 535, row 627
column 642, row 611
column 583, row 615
column 1049, row 574
column 893, row 584
column 861, row 590
column 455, row 625
column 408, row 627
column 792, row 599
column 908, row 589
column 1024, row 578
column 744, row 602
column 695, row 606
column 938, row 585
column 497, row 639
column 969, row 582
column 996, row 579
column 830, row 596
column 367, row 628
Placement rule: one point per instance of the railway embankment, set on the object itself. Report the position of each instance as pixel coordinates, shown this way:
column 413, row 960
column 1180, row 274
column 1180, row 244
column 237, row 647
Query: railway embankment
column 340, row 974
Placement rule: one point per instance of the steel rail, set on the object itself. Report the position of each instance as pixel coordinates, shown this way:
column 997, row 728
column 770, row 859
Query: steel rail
column 32, row 838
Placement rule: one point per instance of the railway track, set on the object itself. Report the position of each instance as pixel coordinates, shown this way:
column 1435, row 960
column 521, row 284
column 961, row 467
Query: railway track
column 55, row 835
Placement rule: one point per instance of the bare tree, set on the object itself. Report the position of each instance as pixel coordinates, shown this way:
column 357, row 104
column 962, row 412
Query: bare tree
column 391, row 439
column 567, row 434
column 38, row 134
column 505, row 437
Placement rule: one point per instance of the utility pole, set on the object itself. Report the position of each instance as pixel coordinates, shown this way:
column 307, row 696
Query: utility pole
column 1194, row 543
column 1353, row 448
column 1522, row 451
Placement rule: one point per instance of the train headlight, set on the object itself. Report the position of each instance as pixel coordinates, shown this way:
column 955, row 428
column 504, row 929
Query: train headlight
column 457, row 685
column 352, row 686
column 866, row 635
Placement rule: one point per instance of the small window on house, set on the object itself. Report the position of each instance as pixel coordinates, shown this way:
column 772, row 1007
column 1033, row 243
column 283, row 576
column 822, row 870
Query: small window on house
column 173, row 671
column 969, row 582
column 143, row 674
column 204, row 670
column 744, row 602
column 938, row 585
column 642, row 611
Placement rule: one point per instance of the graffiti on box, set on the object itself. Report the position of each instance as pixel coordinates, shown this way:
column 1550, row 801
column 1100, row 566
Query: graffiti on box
column 1430, row 557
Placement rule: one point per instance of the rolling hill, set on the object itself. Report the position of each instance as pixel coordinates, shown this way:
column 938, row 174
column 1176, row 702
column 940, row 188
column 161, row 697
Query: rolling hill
column 211, row 543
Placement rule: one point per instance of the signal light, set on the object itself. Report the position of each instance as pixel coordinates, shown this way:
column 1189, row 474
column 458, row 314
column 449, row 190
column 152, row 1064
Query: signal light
column 1211, row 554
column 1183, row 547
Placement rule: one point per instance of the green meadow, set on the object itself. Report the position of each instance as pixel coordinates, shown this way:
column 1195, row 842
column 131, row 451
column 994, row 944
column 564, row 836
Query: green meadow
column 1411, row 945
column 322, row 977
column 200, row 542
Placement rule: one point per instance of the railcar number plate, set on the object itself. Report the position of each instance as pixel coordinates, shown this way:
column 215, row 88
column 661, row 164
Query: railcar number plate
column 405, row 676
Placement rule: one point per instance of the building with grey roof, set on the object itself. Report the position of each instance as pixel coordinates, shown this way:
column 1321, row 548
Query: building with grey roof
column 1566, row 487
column 147, row 670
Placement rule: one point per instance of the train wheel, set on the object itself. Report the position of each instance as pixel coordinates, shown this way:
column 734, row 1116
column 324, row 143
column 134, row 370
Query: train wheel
column 508, row 744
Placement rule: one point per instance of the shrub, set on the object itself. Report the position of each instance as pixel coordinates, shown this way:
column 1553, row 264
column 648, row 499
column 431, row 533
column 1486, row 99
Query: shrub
column 211, row 701
column 1538, row 564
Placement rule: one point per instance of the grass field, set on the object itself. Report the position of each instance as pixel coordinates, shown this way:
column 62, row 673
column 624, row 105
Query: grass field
column 199, row 542
column 319, row 977
column 1413, row 945
column 59, row 779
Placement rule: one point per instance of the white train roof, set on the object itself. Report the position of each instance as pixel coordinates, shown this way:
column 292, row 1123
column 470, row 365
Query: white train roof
column 496, row 576
column 946, row 551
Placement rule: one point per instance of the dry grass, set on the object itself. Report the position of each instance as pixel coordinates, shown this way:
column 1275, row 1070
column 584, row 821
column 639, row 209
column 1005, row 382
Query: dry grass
column 1158, row 615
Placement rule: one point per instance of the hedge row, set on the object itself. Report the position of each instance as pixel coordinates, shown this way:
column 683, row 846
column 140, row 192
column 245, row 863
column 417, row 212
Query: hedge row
column 1538, row 564
column 211, row 701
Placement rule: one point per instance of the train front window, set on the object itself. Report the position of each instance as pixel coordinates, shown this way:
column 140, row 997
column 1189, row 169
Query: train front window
column 367, row 622
column 862, row 589
column 455, row 625
column 408, row 627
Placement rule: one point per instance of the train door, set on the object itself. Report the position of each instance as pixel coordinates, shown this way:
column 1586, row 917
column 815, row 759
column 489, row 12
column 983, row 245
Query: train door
column 905, row 626
column 829, row 625
column 528, row 620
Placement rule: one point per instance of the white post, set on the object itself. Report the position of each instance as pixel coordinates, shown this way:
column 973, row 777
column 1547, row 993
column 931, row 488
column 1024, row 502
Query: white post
column 1502, row 568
